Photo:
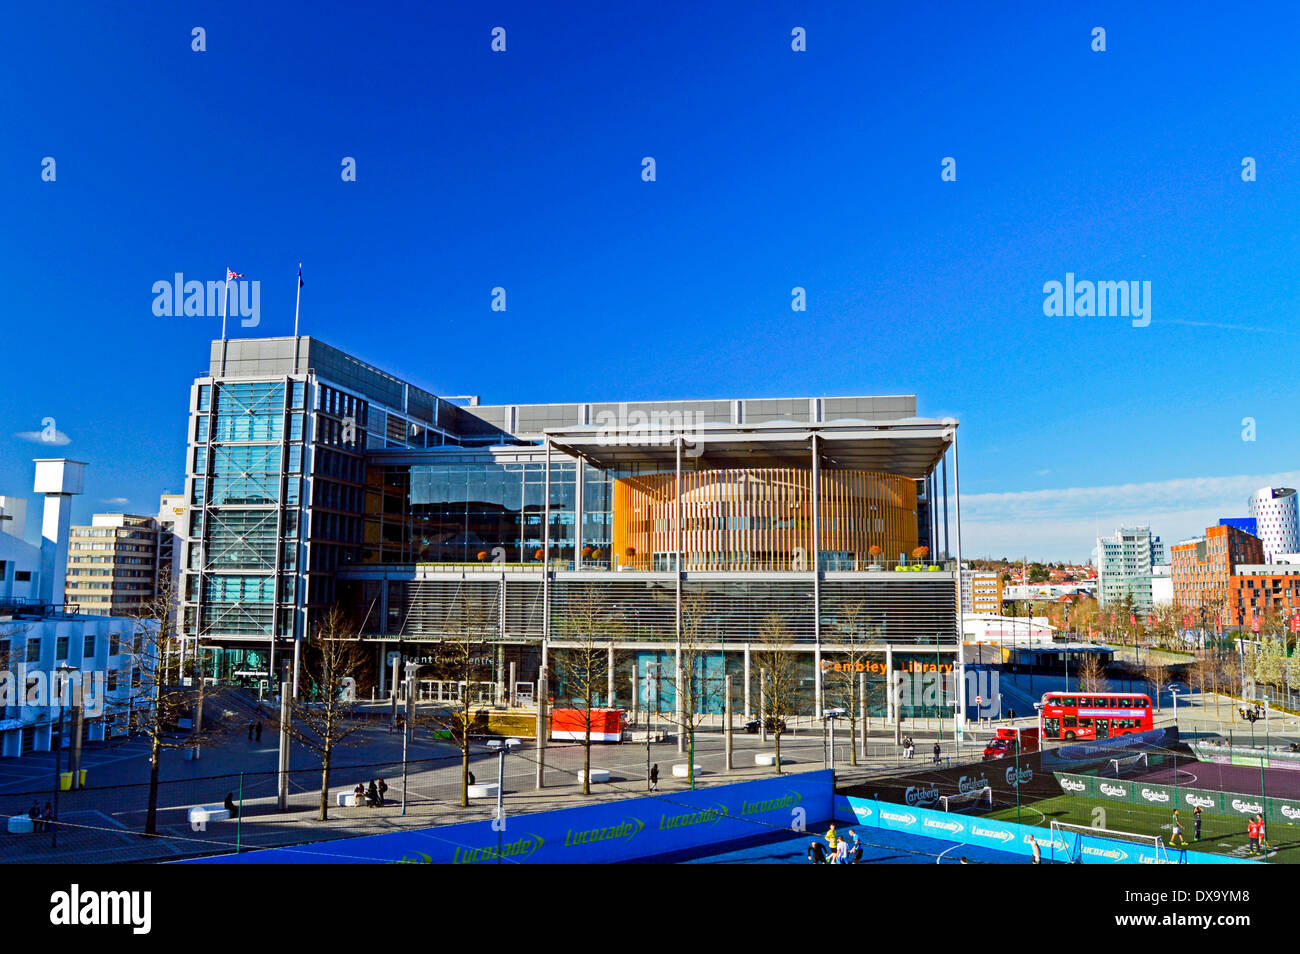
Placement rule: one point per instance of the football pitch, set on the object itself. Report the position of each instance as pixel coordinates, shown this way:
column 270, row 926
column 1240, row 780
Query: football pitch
column 879, row 847
column 1220, row 834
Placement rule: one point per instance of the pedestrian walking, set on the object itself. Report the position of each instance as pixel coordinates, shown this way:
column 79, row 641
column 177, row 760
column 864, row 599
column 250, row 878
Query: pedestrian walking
column 372, row 794
column 654, row 777
column 230, row 805
column 383, row 789
column 1196, row 824
column 47, row 817
column 1176, row 839
column 34, row 813
column 936, row 753
column 250, row 730
column 257, row 735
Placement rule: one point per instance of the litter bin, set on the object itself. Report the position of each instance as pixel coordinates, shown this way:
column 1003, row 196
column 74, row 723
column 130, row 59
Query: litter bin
column 65, row 780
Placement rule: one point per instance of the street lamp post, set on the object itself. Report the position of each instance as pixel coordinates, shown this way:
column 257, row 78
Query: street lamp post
column 502, row 746
column 58, row 750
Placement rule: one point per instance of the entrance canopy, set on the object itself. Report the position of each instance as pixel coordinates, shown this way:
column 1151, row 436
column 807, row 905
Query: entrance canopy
column 910, row 447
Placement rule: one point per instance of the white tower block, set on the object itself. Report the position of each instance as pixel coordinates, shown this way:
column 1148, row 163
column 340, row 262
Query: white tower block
column 58, row 479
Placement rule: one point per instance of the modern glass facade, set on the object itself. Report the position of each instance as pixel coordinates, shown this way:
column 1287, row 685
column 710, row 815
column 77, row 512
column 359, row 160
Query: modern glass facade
column 317, row 481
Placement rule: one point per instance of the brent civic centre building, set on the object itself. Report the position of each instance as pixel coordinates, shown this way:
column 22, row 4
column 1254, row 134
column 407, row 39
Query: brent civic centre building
column 316, row 480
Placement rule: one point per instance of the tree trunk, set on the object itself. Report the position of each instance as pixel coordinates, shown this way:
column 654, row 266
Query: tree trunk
column 586, row 756
column 776, row 738
column 325, row 780
column 853, row 739
column 464, row 766
column 151, row 813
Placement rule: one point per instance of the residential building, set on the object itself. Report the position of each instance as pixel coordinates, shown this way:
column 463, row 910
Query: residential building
column 1124, row 565
column 1277, row 521
column 317, row 480
column 42, row 641
column 1260, row 594
column 981, row 591
column 113, row 564
column 1201, row 569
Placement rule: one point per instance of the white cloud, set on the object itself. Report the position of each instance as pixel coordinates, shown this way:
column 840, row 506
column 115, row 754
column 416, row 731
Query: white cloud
column 57, row 439
column 117, row 501
column 1063, row 523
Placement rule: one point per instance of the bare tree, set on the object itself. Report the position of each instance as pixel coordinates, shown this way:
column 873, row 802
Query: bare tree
column 462, row 659
column 843, row 677
column 323, row 717
column 778, row 678
column 589, row 624
column 1092, row 674
column 148, row 685
column 1156, row 672
column 696, row 692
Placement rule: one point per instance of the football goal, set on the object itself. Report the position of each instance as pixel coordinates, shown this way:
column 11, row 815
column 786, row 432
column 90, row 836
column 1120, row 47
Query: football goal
column 980, row 797
column 1072, row 841
column 1129, row 761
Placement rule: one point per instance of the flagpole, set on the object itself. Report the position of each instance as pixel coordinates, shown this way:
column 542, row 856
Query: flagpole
column 225, row 296
column 297, row 305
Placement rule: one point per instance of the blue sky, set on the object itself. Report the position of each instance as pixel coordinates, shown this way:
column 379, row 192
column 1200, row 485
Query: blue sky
column 775, row 169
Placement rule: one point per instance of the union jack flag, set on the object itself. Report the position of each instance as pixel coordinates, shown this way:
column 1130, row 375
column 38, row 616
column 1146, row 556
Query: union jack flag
column 231, row 276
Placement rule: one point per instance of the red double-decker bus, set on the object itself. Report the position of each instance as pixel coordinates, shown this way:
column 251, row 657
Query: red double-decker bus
column 1093, row 715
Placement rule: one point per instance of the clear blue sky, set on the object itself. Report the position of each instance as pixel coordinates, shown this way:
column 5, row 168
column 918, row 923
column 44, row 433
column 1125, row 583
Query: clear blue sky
column 775, row 169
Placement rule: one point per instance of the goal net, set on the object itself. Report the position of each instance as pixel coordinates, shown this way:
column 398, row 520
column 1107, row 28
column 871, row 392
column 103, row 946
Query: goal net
column 979, row 797
column 1129, row 761
column 1071, row 838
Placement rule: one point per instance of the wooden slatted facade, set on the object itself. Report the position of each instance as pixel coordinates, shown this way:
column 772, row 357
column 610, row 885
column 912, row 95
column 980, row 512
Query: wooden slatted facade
column 762, row 519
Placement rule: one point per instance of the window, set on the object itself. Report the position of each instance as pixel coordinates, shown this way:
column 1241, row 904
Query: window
column 88, row 646
column 33, row 650
column 61, row 649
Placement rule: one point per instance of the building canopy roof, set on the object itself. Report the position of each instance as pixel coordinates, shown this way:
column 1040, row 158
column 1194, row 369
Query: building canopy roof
column 910, row 447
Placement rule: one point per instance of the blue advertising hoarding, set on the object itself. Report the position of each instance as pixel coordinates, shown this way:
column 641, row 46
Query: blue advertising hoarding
column 1010, row 836
column 626, row 830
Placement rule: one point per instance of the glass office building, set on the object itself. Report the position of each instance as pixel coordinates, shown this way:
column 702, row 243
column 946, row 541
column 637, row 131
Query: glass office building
column 316, row 480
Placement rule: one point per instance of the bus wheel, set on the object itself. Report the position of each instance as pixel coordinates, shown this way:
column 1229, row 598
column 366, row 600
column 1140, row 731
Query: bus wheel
column 1069, row 736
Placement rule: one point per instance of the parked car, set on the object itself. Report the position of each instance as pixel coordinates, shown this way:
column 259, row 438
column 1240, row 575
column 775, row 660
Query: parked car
column 773, row 725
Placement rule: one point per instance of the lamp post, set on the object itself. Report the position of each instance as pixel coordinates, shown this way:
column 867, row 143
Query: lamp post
column 58, row 751
column 501, row 746
column 1173, row 694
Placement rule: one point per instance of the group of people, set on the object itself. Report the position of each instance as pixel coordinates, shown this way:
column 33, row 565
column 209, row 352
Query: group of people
column 41, row 818
column 838, row 850
column 909, row 750
column 255, row 731
column 1176, row 840
column 1258, row 836
column 1256, row 832
column 372, row 795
